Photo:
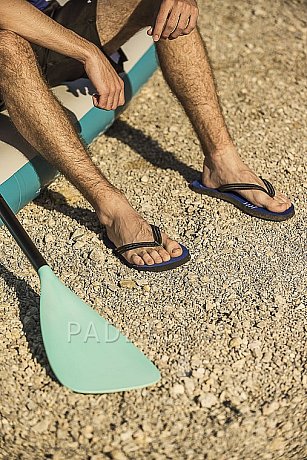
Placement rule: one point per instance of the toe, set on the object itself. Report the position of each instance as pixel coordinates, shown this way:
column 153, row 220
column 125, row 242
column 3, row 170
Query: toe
column 136, row 259
column 147, row 258
column 278, row 204
column 164, row 254
column 173, row 248
column 155, row 256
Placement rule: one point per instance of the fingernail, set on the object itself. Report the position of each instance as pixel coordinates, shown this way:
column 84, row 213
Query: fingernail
column 156, row 38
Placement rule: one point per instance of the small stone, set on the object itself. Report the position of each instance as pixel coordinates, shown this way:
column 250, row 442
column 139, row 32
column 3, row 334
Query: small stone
column 117, row 454
column 112, row 287
column 198, row 373
column 255, row 349
column 210, row 305
column 41, row 426
column 87, row 431
column 31, row 405
column 126, row 435
column 280, row 300
column 259, row 12
column 189, row 386
column 235, row 342
column 146, row 288
column 79, row 244
column 268, row 409
column 97, row 255
column 144, row 179
column 208, row 400
column 277, row 444
column 77, row 234
column 177, row 389
column 127, row 283
column 49, row 238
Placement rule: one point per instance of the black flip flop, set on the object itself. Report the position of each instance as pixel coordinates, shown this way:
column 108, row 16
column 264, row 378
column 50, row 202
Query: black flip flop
column 174, row 262
column 229, row 193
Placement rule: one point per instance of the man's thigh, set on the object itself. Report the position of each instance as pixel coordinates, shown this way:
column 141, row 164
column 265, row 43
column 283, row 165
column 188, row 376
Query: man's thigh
column 119, row 20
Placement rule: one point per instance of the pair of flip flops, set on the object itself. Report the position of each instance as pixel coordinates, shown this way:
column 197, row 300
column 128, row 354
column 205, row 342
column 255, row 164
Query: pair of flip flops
column 227, row 193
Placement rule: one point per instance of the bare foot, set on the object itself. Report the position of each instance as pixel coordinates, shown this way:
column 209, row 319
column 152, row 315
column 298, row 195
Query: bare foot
column 127, row 226
column 228, row 168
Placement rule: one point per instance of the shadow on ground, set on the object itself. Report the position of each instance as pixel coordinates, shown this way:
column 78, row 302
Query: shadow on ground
column 55, row 201
column 150, row 150
column 29, row 316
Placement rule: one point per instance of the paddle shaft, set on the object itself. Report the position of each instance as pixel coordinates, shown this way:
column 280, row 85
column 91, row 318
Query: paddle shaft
column 20, row 235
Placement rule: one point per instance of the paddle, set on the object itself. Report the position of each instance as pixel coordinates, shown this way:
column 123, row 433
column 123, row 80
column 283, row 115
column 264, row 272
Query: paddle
column 85, row 352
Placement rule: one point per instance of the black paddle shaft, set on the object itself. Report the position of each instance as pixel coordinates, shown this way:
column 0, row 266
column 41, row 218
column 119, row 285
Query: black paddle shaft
column 20, row 235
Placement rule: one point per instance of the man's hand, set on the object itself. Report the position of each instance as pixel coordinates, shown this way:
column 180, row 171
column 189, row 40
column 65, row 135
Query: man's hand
column 109, row 86
column 175, row 18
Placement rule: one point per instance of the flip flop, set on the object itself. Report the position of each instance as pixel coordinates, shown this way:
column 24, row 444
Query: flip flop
column 229, row 193
column 174, row 262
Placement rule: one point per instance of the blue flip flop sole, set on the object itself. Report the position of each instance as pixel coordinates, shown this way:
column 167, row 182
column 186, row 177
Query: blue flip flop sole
column 174, row 262
column 241, row 203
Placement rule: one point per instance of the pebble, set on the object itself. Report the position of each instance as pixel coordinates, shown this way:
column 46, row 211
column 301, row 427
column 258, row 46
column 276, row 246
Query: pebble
column 117, row 454
column 79, row 244
column 128, row 283
column 269, row 409
column 49, row 238
column 208, row 400
column 177, row 389
column 97, row 255
column 41, row 426
column 77, row 234
column 235, row 342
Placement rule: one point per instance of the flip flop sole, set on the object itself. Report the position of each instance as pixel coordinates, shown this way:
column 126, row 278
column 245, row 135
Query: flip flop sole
column 163, row 266
column 242, row 204
column 171, row 264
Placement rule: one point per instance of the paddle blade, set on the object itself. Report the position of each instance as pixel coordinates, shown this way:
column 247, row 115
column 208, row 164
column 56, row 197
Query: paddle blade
column 85, row 352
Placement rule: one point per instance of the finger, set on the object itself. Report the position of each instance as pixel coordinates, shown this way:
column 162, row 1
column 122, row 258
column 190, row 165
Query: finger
column 182, row 24
column 111, row 94
column 161, row 20
column 121, row 100
column 116, row 95
column 115, row 99
column 192, row 22
column 149, row 31
column 95, row 98
column 171, row 23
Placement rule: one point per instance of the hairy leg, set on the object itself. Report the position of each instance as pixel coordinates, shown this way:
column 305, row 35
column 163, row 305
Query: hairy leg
column 42, row 121
column 186, row 68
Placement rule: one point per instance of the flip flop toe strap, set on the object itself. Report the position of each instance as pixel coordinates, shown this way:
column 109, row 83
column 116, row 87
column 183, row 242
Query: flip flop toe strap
column 151, row 244
column 269, row 190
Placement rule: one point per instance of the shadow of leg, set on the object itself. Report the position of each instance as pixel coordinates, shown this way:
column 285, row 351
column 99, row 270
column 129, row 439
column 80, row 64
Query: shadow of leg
column 150, row 149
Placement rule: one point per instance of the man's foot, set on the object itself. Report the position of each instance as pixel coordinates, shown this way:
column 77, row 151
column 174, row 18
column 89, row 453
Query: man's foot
column 228, row 168
column 124, row 225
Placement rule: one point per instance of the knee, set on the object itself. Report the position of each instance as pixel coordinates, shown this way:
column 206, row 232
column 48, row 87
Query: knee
column 11, row 45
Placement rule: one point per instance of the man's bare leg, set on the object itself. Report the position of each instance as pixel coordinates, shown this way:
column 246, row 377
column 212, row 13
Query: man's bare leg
column 187, row 70
column 42, row 121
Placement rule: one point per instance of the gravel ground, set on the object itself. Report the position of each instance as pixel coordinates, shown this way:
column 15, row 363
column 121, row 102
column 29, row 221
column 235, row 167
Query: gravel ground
column 226, row 330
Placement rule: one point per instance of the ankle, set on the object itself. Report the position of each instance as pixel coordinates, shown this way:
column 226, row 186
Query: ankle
column 110, row 207
column 220, row 155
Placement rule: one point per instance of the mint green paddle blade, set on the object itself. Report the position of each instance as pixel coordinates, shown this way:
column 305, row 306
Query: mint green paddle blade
column 85, row 352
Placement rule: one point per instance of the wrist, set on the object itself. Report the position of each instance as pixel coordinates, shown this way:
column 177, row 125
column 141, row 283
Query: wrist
column 87, row 51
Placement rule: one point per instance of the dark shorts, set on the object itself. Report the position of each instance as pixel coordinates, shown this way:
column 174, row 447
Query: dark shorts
column 79, row 16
